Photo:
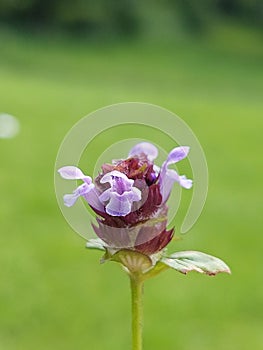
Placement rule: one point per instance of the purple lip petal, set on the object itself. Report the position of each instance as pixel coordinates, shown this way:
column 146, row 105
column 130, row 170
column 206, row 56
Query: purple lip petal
column 120, row 195
column 84, row 189
column 119, row 204
column 144, row 147
column 69, row 199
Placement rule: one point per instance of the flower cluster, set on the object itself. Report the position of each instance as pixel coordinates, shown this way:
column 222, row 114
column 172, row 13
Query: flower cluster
column 129, row 197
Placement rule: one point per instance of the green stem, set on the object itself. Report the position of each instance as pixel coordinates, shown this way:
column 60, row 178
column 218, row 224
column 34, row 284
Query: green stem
column 136, row 294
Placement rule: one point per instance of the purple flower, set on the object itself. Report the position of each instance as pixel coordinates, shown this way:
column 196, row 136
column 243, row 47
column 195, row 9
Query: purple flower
column 121, row 194
column 129, row 196
column 73, row 173
column 169, row 176
column 86, row 190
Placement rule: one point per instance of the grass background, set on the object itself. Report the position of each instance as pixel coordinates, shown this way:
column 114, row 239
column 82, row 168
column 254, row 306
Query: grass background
column 53, row 293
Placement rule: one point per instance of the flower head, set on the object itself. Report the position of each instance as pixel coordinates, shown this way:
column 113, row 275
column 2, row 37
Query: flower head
column 129, row 197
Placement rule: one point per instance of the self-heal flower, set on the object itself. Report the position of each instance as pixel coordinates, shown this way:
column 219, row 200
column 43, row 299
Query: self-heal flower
column 129, row 196
column 120, row 195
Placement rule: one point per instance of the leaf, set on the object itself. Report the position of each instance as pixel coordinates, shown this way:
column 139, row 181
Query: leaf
column 133, row 261
column 196, row 261
column 96, row 243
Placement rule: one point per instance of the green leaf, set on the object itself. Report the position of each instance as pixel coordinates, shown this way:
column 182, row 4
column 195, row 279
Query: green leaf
column 96, row 243
column 134, row 261
column 196, row 261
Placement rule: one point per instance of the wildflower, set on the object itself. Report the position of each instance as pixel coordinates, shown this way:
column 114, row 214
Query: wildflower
column 121, row 194
column 130, row 196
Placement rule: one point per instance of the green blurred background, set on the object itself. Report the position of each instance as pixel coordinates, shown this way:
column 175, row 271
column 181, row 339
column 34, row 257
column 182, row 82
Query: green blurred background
column 60, row 60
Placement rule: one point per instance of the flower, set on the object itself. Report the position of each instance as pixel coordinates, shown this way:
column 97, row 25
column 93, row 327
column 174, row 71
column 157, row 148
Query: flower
column 121, row 194
column 129, row 197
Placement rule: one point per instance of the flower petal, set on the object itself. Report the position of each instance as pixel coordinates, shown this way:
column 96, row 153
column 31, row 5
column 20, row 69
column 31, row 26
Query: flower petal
column 74, row 173
column 177, row 154
column 119, row 204
column 109, row 177
column 166, row 183
column 136, row 194
column 119, row 182
column 82, row 190
column 86, row 190
column 144, row 147
column 169, row 176
column 70, row 199
column 92, row 197
column 120, row 195
column 105, row 196
column 184, row 182
column 71, row 173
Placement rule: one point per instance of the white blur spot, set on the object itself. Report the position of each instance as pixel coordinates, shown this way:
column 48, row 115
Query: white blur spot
column 9, row 126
